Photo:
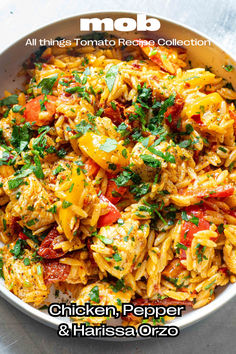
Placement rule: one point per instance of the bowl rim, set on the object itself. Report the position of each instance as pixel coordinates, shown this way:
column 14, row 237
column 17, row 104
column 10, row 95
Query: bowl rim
column 189, row 318
column 124, row 12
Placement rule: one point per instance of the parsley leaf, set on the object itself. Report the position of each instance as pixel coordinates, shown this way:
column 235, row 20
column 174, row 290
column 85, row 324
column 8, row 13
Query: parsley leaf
column 123, row 178
column 111, row 77
column 26, row 261
column 109, row 145
column 81, row 90
column 164, row 155
column 18, row 180
column 149, row 160
column 21, row 137
column 139, row 190
column 144, row 95
column 39, row 143
column 18, row 248
column 185, row 143
column 37, row 169
column 117, row 257
column 30, row 235
column 104, row 239
column 94, row 294
column 1, row 268
column 163, row 108
column 53, row 209
column 47, row 84
column 82, row 128
column 180, row 246
column 123, row 129
column 228, row 67
column 57, row 170
column 220, row 228
column 119, row 285
column 194, row 220
column 9, row 101
column 66, row 204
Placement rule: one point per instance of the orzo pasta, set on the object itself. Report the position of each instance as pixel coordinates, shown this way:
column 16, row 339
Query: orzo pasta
column 118, row 175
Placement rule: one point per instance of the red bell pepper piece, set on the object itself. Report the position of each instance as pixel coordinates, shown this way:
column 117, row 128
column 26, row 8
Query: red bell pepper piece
column 218, row 192
column 23, row 236
column 188, row 228
column 112, row 215
column 34, row 107
column 53, row 271
column 114, row 193
column 46, row 249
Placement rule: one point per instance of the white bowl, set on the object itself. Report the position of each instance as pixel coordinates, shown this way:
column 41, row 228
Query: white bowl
column 212, row 56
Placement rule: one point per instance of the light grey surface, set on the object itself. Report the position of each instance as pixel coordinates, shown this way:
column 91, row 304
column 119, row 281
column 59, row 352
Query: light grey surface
column 20, row 334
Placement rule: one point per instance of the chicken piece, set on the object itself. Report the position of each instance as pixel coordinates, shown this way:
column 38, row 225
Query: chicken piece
column 146, row 171
column 103, row 294
column 25, row 281
column 6, row 129
column 30, row 202
column 229, row 249
column 230, row 256
column 106, row 127
column 81, row 268
column 117, row 247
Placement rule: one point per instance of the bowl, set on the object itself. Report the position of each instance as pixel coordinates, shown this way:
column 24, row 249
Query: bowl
column 212, row 56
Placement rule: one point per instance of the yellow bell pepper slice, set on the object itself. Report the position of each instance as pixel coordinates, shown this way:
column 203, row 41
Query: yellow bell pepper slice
column 194, row 78
column 104, row 151
column 202, row 104
column 73, row 195
column 6, row 171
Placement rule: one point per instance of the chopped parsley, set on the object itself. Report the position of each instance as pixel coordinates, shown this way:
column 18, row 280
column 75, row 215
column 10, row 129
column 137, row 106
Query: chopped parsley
column 9, row 101
column 200, row 253
column 209, row 285
column 119, row 285
column 82, row 128
column 119, row 302
column 18, row 249
column 117, row 257
column 180, row 246
column 185, row 143
column 57, row 170
column 21, row 136
column 1, row 268
column 113, row 105
column 105, row 240
column 193, row 219
column 53, row 209
column 110, row 77
column 220, row 228
column 139, row 190
column 80, row 90
column 66, row 204
column 47, row 84
column 149, row 160
column 40, row 143
column 109, row 145
column 127, row 175
column 18, row 179
column 26, row 261
column 228, row 67
column 166, row 156
column 94, row 294
column 37, row 168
